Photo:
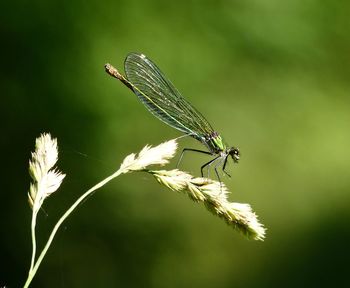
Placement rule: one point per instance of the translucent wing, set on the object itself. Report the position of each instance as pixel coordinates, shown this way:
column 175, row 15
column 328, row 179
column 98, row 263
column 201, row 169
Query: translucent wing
column 162, row 99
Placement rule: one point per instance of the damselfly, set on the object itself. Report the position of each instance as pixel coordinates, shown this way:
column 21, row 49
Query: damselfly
column 162, row 99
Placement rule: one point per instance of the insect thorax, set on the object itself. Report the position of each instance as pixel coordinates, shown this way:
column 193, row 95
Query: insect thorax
column 215, row 143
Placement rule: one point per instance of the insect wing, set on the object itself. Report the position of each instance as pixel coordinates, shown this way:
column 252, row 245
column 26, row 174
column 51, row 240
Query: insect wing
column 162, row 99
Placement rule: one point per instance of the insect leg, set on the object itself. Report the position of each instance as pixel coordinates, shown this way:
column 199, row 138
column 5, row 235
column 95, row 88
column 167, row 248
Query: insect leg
column 193, row 150
column 224, row 166
column 209, row 163
column 216, row 168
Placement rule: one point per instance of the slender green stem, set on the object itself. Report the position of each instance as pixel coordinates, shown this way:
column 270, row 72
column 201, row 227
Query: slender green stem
column 33, row 270
column 33, row 241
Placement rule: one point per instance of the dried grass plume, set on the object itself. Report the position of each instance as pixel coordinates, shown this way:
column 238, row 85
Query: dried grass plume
column 158, row 155
column 46, row 178
column 213, row 195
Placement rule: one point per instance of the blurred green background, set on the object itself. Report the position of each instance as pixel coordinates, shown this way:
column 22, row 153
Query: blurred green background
column 271, row 76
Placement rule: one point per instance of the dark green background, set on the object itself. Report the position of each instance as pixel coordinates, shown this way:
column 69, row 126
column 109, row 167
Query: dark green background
column 273, row 77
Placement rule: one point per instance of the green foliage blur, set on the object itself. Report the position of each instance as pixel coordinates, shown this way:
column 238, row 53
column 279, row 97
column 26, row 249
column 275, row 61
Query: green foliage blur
column 273, row 77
